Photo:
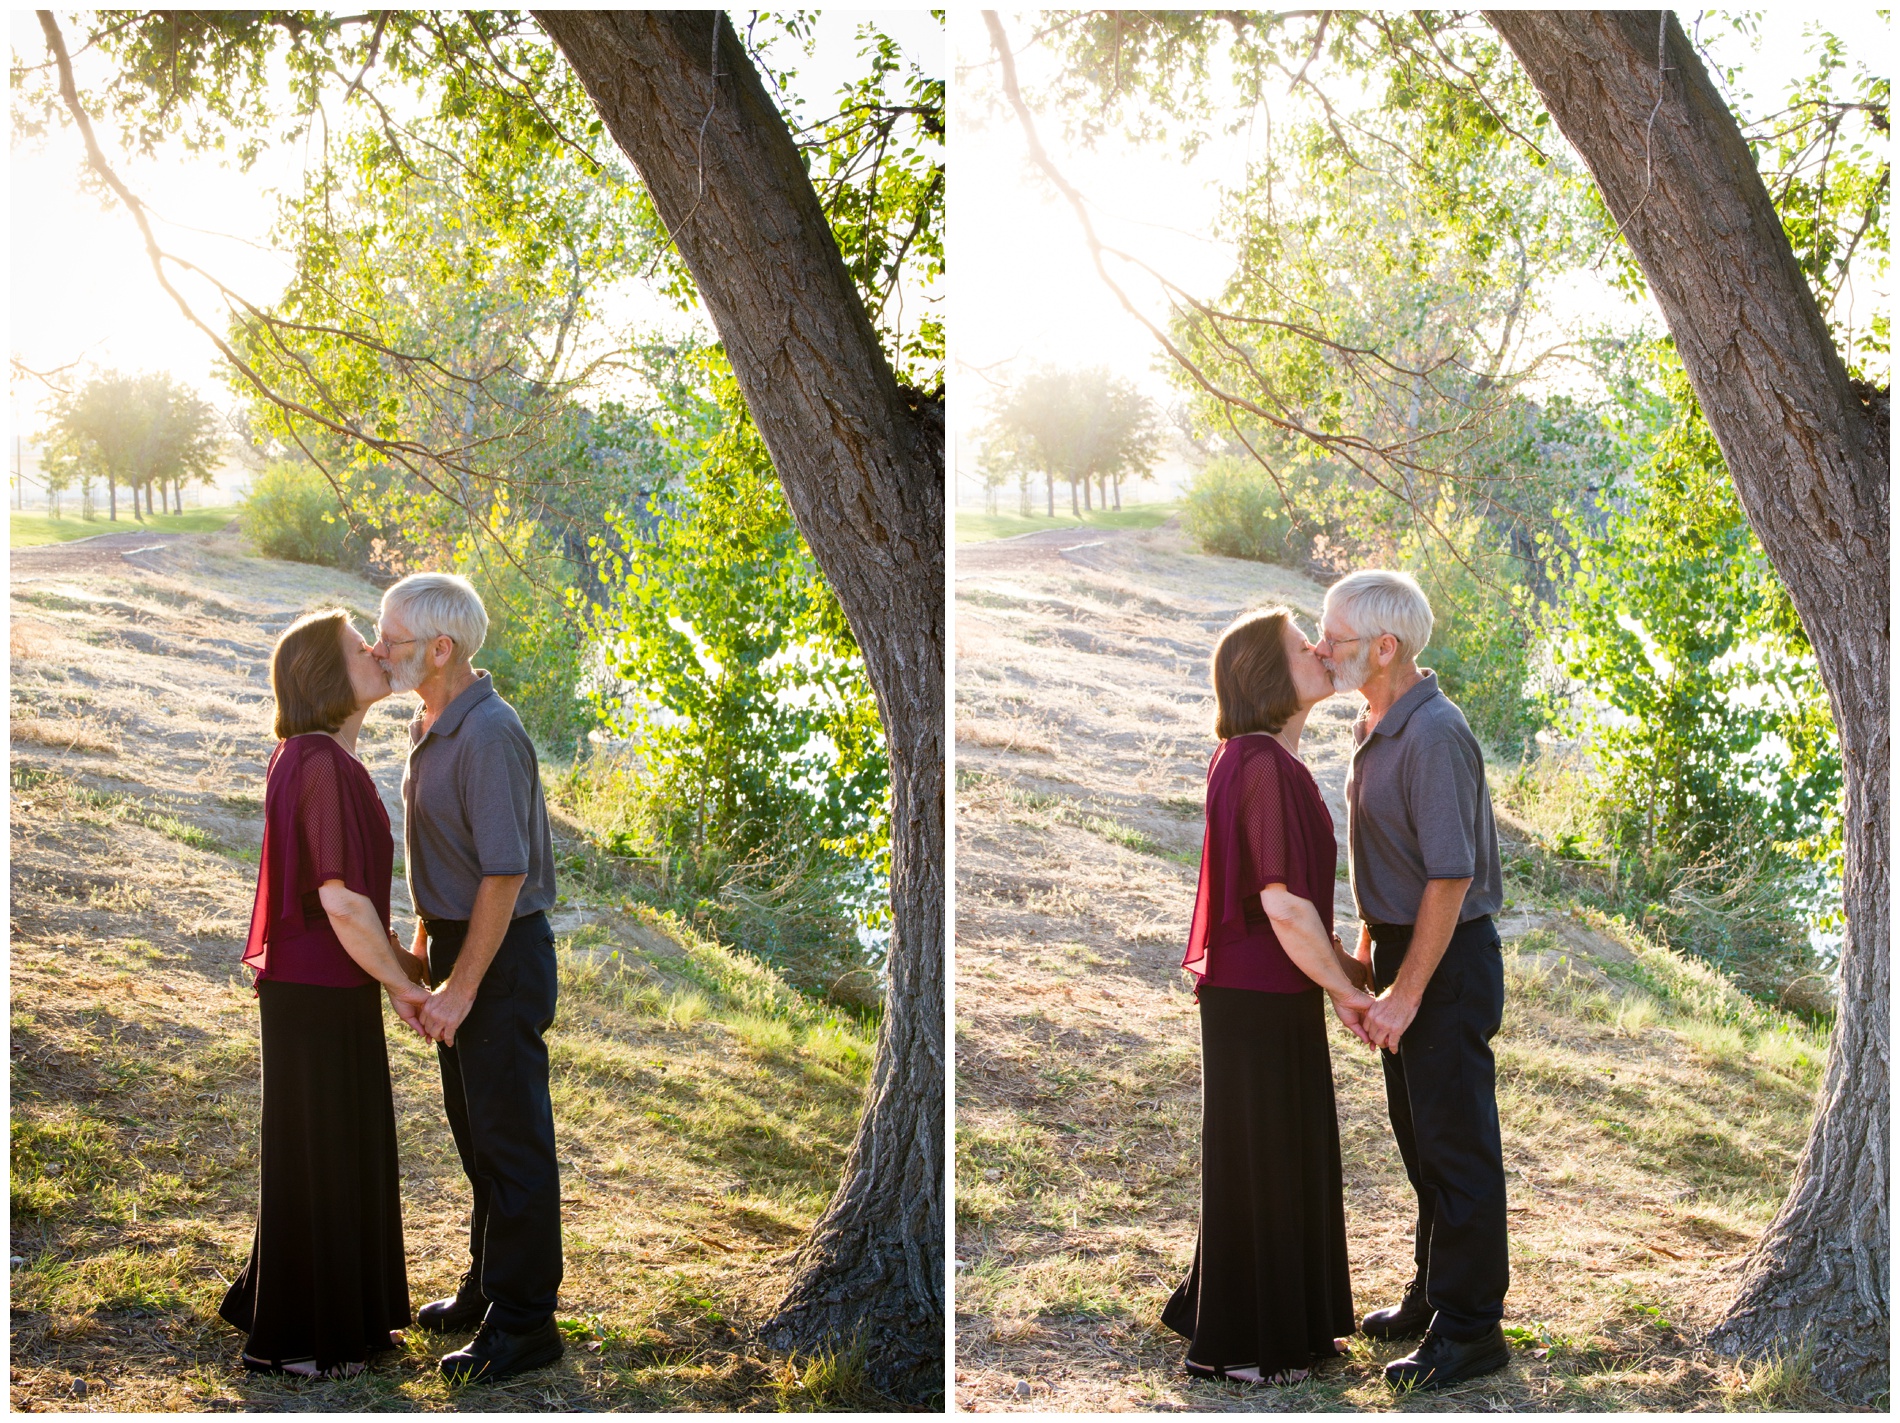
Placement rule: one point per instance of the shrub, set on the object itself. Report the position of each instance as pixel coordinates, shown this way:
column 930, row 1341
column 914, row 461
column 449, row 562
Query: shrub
column 539, row 644
column 1482, row 647
column 1234, row 508
column 292, row 513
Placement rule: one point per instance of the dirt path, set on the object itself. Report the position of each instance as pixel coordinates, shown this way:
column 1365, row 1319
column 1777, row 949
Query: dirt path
column 1082, row 732
column 702, row 1111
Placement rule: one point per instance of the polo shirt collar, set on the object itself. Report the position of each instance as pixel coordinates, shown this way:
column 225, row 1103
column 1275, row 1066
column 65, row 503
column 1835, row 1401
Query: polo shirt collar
column 465, row 701
column 1400, row 712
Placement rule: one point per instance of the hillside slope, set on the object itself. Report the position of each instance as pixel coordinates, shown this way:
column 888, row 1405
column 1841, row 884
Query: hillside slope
column 1652, row 1114
column 702, row 1108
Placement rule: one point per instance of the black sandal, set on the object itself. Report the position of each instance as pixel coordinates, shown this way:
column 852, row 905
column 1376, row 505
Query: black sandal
column 276, row 1366
column 346, row 1370
column 1223, row 1373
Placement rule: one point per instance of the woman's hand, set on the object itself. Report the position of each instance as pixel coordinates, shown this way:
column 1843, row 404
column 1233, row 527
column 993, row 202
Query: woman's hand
column 1352, row 1009
column 408, row 1001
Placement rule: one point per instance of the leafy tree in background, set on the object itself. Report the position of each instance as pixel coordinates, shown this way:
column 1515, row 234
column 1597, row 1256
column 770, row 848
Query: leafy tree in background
column 733, row 671
column 142, row 431
column 1720, row 767
column 1087, row 428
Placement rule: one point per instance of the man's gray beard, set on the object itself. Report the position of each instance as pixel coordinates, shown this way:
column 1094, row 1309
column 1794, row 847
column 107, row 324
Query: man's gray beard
column 1349, row 675
column 407, row 672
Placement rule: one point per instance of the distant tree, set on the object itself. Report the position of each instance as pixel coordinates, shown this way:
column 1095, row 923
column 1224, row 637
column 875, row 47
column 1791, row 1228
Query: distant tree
column 1087, row 427
column 185, row 439
column 135, row 430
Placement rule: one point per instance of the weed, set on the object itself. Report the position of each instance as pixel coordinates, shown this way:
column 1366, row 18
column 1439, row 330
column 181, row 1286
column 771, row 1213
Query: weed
column 766, row 1037
column 1779, row 1383
column 839, row 1046
column 686, row 1008
column 823, row 1383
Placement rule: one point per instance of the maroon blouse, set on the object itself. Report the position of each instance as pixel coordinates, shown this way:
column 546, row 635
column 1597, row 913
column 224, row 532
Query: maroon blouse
column 1266, row 824
column 322, row 821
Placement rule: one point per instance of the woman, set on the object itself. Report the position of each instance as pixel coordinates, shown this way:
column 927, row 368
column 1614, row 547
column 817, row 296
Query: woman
column 1268, row 1292
column 325, row 1286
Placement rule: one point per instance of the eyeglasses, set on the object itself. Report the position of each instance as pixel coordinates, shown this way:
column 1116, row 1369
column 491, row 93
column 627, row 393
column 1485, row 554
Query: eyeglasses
column 1325, row 636
column 389, row 641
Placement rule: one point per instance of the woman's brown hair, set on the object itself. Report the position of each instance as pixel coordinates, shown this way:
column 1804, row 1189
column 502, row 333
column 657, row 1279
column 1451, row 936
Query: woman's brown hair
column 309, row 677
column 1253, row 686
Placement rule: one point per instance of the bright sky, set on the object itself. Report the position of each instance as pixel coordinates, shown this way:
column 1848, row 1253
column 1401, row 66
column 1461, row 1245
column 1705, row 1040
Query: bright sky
column 1026, row 289
column 81, row 288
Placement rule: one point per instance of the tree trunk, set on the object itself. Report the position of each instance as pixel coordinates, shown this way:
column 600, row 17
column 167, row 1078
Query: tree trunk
column 1808, row 453
column 1074, row 507
column 112, row 498
column 862, row 464
column 1049, row 488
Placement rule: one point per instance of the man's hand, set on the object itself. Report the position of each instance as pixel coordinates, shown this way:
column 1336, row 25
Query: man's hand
column 1388, row 1018
column 442, row 1014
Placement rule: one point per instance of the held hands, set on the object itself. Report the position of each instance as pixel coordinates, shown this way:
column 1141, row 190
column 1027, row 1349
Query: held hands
column 443, row 1012
column 1388, row 1018
column 435, row 1015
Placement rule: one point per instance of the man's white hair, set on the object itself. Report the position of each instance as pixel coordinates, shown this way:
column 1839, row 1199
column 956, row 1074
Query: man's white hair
column 440, row 605
column 1375, row 601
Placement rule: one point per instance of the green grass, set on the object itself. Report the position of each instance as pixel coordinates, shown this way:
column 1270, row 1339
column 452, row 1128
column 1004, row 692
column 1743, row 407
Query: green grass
column 981, row 528
column 32, row 530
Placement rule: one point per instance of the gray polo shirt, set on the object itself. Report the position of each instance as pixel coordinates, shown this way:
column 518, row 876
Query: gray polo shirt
column 472, row 806
column 1418, row 809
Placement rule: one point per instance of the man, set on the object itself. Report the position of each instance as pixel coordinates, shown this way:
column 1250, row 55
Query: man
column 480, row 866
column 1423, row 854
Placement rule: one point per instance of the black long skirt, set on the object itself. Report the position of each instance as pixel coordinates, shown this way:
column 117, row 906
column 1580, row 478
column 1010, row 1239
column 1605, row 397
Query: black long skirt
column 325, row 1279
column 1269, row 1284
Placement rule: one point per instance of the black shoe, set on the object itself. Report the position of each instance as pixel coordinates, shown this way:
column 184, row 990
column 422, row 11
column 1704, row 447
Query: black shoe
column 1440, row 1362
column 496, row 1354
column 1405, row 1320
column 464, row 1311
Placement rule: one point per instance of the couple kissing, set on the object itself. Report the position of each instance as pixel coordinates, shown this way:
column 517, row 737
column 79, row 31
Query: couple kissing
column 326, row 1285
column 1269, row 1292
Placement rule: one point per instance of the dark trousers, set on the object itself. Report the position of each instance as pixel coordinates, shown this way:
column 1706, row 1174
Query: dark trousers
column 1441, row 1092
column 495, row 1089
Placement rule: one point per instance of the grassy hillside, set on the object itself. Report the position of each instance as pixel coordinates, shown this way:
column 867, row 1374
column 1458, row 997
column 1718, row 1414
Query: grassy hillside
column 1652, row 1113
column 981, row 528
column 702, row 1107
column 33, row 530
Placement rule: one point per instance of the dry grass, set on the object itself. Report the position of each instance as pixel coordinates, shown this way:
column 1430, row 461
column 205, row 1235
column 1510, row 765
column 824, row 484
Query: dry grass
column 702, row 1108
column 1652, row 1113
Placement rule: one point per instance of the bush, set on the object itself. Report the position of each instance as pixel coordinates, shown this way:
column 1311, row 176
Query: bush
column 1482, row 648
column 538, row 646
column 1234, row 508
column 292, row 513
column 792, row 906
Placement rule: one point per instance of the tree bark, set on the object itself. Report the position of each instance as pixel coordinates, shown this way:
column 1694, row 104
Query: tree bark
column 1808, row 453
column 861, row 461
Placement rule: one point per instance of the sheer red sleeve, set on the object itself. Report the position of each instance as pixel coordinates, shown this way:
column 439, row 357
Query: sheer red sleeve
column 320, row 824
column 1260, row 855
